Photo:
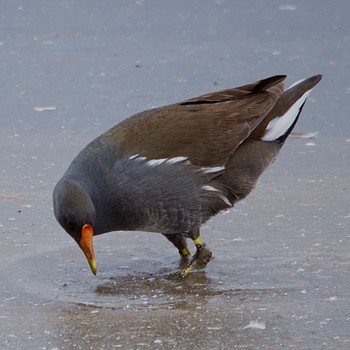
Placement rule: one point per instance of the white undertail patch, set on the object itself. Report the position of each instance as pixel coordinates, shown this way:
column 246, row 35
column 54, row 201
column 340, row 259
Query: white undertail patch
column 296, row 83
column 279, row 126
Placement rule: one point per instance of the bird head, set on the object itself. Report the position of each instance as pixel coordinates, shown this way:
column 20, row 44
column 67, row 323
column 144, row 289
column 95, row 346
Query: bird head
column 75, row 212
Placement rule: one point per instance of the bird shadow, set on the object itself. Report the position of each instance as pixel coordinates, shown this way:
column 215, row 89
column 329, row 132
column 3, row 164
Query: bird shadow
column 165, row 281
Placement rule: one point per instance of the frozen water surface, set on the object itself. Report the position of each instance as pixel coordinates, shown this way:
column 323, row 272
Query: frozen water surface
column 280, row 277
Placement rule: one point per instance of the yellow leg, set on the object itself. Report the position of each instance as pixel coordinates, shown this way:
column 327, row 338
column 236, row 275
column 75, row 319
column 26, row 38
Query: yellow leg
column 179, row 241
column 185, row 252
column 198, row 240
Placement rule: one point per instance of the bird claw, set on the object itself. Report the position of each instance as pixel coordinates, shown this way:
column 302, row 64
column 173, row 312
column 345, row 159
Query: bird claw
column 199, row 261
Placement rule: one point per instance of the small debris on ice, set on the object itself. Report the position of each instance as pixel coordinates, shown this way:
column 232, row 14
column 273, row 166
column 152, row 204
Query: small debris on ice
column 287, row 7
column 255, row 325
column 214, row 328
column 304, row 135
column 45, row 109
column 9, row 196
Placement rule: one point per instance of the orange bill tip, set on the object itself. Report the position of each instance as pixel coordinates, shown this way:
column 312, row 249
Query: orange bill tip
column 86, row 244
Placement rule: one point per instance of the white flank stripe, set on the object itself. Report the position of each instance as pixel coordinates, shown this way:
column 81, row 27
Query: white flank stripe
column 225, row 200
column 134, row 156
column 140, row 158
column 279, row 126
column 215, row 169
column 176, row 160
column 210, row 188
column 155, row 162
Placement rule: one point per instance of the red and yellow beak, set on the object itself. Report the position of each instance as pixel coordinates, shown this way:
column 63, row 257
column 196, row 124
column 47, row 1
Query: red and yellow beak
column 86, row 245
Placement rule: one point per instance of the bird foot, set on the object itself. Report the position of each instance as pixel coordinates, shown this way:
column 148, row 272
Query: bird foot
column 199, row 261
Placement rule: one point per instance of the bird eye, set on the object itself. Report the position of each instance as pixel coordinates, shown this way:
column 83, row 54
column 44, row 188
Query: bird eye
column 70, row 224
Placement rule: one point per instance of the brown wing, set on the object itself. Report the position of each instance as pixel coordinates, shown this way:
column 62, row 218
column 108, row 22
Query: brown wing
column 206, row 129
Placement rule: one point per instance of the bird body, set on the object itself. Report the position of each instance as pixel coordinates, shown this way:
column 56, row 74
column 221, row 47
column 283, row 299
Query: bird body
column 171, row 168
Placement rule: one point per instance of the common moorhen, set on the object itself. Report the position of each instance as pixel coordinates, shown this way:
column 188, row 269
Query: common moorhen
column 170, row 169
